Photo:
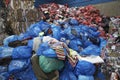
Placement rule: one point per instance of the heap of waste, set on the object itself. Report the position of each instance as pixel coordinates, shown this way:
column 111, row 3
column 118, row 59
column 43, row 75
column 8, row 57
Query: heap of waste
column 70, row 49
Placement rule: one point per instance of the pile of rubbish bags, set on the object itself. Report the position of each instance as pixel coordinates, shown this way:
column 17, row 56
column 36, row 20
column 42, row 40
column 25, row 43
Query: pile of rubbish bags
column 52, row 43
column 69, row 49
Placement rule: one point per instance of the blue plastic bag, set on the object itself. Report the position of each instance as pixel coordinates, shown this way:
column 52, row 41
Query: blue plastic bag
column 103, row 43
column 56, row 32
column 26, row 74
column 43, row 25
column 2, row 77
column 5, row 51
column 87, row 43
column 45, row 50
column 84, row 77
column 34, row 31
column 91, row 50
column 23, row 36
column 30, row 43
column 101, row 76
column 5, row 75
column 3, row 69
column 68, row 34
column 73, row 22
column 16, row 66
column 67, row 73
column 22, row 52
column 74, row 44
column 84, row 68
column 10, row 39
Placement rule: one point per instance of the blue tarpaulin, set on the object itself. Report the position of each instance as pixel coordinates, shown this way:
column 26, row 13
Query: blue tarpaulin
column 71, row 3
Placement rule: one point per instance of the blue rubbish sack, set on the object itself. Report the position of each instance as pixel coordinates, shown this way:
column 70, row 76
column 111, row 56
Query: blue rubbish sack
column 68, row 34
column 87, row 43
column 84, row 68
column 2, row 77
column 74, row 44
column 73, row 22
column 93, row 33
column 5, row 75
column 43, row 25
column 93, row 28
column 103, row 43
column 49, row 53
column 5, row 51
column 10, row 39
column 42, row 47
column 23, row 36
column 84, row 77
column 101, row 76
column 26, row 74
column 16, row 66
column 91, row 50
column 3, row 69
column 56, row 32
column 45, row 50
column 30, row 43
column 67, row 73
column 34, row 30
column 22, row 52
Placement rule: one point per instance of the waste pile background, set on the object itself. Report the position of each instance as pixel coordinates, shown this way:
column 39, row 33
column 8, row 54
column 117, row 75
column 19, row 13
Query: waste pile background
column 83, row 30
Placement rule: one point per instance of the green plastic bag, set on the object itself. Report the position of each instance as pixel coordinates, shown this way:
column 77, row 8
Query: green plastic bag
column 50, row 64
